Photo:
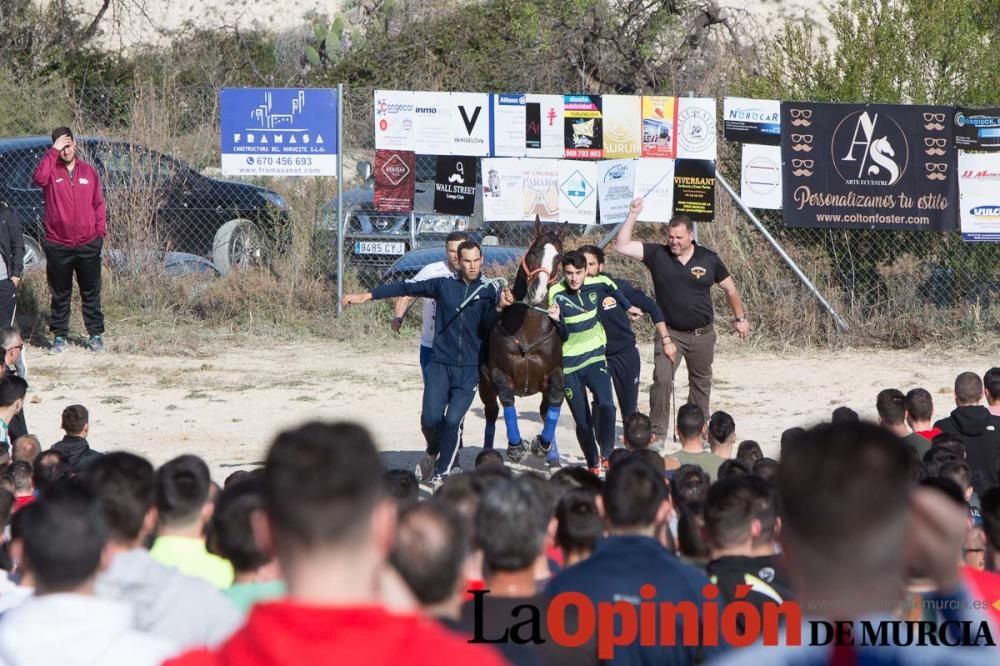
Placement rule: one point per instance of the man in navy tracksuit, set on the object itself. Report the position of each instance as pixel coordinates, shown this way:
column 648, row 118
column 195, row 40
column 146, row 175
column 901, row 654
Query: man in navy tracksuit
column 467, row 308
column 623, row 355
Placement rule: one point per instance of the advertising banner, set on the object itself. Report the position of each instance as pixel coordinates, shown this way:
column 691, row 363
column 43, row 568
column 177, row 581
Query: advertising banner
column 654, row 184
column 507, row 125
column 544, row 126
column 659, row 126
column 622, row 126
column 577, row 192
column 696, row 128
column 470, row 124
column 694, row 189
column 760, row 179
column 977, row 129
column 979, row 194
column 395, row 180
column 503, row 189
column 432, row 123
column 755, row 121
column 541, row 189
column 615, row 189
column 394, row 120
column 455, row 185
column 583, row 127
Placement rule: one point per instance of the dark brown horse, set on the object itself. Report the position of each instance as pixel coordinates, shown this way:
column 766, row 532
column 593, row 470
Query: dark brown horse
column 524, row 351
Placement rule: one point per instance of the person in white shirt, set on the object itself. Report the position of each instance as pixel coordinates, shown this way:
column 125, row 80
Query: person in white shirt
column 445, row 268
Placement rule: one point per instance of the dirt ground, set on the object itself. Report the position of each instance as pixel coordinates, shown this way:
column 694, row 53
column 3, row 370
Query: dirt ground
column 228, row 406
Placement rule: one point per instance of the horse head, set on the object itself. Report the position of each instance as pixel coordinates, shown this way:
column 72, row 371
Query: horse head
column 540, row 265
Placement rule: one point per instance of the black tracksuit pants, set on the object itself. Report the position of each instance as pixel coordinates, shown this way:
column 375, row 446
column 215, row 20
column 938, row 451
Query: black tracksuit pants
column 62, row 262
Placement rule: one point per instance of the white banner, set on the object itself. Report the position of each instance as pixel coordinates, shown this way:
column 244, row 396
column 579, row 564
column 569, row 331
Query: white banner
column 577, row 192
column 503, row 189
column 654, row 183
column 432, row 123
column 470, row 124
column 541, row 189
column 393, row 120
column 979, row 195
column 507, row 131
column 615, row 189
column 544, row 121
column 622, row 125
column 760, row 182
column 696, row 128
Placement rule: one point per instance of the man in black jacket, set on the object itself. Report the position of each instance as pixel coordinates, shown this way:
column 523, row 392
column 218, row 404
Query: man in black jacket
column 12, row 252
column 978, row 429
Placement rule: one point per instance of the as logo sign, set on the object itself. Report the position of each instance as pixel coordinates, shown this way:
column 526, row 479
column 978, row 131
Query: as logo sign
column 870, row 149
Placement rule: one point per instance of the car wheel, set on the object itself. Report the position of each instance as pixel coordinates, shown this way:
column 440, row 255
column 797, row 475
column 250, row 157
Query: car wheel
column 34, row 256
column 237, row 244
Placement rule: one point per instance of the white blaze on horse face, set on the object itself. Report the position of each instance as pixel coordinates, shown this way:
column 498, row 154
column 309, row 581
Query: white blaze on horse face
column 548, row 265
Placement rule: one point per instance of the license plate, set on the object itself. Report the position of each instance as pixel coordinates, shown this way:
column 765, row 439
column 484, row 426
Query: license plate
column 379, row 247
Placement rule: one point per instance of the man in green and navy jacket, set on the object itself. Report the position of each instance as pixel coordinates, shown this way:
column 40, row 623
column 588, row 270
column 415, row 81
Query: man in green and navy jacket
column 573, row 304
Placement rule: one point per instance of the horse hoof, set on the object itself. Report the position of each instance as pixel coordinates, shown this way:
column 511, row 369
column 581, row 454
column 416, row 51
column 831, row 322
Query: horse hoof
column 538, row 447
column 516, row 452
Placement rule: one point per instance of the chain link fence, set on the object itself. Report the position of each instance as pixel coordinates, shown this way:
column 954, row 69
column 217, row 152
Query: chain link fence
column 169, row 209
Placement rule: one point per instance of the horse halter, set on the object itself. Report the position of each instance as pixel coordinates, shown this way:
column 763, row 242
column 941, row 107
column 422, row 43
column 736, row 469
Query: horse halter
column 529, row 273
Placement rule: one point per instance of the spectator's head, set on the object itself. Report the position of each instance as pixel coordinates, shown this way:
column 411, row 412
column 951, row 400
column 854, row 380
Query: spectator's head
column 635, row 499
column 654, row 459
column 236, row 477
column 595, row 258
column 617, row 456
column 20, row 472
column 489, row 457
column 511, row 523
column 959, row 472
column 748, row 452
column 721, row 433
column 470, row 260
column 183, row 495
column 429, row 553
column 27, row 448
column 991, row 386
column 638, row 431
column 891, row 407
column 126, row 484
column 401, row 485
column 68, row 153
column 324, row 500
column 10, row 339
column 765, row 508
column 64, row 535
column 12, row 392
column 788, row 439
column 48, row 467
column 238, row 508
column 76, row 421
column 844, row 415
column 949, row 442
column 689, row 484
column 765, row 468
column 844, row 493
column 691, row 543
column 732, row 467
column 919, row 408
column 730, row 523
column 989, row 507
column 580, row 525
column 578, row 477
column 6, row 505
column 968, row 389
column 690, row 423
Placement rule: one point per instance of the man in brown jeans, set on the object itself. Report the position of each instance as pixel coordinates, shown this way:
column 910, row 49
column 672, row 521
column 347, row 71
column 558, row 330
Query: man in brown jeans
column 683, row 273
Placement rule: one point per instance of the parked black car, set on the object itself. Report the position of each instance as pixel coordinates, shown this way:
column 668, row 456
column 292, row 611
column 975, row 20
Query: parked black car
column 230, row 223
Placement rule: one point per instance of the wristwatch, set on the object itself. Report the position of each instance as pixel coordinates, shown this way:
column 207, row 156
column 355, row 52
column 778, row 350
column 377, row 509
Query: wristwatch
column 741, row 318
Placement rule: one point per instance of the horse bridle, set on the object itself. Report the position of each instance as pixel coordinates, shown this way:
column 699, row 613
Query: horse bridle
column 553, row 276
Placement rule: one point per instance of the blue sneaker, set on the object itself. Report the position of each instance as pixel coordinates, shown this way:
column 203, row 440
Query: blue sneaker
column 96, row 344
column 58, row 345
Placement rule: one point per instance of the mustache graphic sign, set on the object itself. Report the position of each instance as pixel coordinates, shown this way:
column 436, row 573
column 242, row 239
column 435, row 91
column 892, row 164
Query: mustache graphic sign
column 868, row 166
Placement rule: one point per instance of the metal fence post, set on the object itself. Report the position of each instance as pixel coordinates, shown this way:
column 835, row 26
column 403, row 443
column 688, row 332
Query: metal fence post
column 841, row 323
column 340, row 198
column 413, row 230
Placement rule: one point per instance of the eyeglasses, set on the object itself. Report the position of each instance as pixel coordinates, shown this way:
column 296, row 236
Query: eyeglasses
column 940, row 143
column 802, row 138
column 799, row 164
column 932, row 167
column 936, row 117
column 801, row 113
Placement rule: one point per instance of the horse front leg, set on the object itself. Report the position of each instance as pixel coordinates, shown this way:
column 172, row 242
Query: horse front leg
column 504, row 387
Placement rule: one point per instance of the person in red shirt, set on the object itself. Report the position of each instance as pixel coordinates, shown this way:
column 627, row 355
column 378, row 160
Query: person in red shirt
column 24, row 488
column 331, row 528
column 75, row 227
column 919, row 413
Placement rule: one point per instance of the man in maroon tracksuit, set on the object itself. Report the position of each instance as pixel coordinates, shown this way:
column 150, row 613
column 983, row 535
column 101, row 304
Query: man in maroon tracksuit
column 75, row 226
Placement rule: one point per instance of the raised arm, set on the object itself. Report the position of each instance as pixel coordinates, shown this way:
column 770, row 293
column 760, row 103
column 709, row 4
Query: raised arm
column 43, row 172
column 427, row 289
column 624, row 244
